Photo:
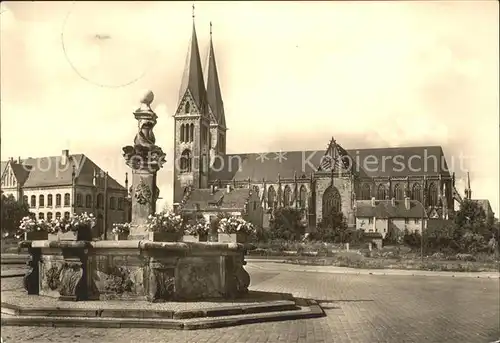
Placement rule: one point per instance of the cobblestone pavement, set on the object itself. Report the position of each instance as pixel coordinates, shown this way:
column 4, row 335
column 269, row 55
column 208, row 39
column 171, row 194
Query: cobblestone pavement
column 359, row 308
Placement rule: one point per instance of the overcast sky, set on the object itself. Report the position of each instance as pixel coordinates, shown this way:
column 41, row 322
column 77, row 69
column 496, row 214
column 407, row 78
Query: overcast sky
column 372, row 74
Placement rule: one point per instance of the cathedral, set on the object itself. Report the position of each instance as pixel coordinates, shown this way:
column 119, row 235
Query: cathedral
column 316, row 182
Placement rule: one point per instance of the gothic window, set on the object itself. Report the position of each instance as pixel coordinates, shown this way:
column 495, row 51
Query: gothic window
column 271, row 197
column 287, row 196
column 303, row 197
column 186, row 161
column 41, row 216
column 331, row 201
column 433, row 196
column 112, row 203
column 256, row 190
column 66, row 199
column 99, row 202
column 66, row 215
column 49, row 216
column 279, row 196
column 416, row 192
column 41, row 201
column 25, row 199
column 58, row 200
column 79, row 200
column 381, row 192
column 398, row 192
column 33, row 201
column 58, row 215
column 88, row 201
column 191, row 132
column 49, row 200
column 187, row 107
column 365, row 192
column 183, row 133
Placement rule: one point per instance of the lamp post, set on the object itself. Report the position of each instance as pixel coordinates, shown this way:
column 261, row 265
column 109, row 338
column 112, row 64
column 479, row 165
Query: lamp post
column 105, row 219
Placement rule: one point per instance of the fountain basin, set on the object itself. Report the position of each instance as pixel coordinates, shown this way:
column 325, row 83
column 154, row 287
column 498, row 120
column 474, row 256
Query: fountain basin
column 141, row 270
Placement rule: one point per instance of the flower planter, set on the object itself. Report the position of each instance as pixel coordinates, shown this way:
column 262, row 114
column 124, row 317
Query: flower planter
column 35, row 236
column 80, row 235
column 232, row 238
column 191, row 238
column 121, row 236
column 163, row 236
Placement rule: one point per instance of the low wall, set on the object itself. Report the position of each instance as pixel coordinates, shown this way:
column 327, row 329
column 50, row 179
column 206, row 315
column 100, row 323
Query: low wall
column 145, row 270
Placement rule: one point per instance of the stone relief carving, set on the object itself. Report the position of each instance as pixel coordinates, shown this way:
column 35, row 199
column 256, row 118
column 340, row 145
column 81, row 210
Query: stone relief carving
column 142, row 193
column 70, row 278
column 53, row 277
column 161, row 283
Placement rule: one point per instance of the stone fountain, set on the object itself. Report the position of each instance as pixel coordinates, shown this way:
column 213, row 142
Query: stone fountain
column 140, row 267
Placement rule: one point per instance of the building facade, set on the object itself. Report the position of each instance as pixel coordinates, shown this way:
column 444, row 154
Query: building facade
column 316, row 182
column 59, row 186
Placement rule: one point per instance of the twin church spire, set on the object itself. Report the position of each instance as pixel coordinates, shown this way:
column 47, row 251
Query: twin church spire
column 204, row 89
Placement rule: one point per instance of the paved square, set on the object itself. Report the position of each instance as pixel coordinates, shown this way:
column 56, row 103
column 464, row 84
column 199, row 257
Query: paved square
column 359, row 308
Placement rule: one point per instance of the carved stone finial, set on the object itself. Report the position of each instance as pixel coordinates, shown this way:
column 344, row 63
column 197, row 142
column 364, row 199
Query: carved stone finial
column 147, row 98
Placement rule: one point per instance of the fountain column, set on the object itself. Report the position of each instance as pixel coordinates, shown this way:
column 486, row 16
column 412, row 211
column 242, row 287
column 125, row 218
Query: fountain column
column 145, row 158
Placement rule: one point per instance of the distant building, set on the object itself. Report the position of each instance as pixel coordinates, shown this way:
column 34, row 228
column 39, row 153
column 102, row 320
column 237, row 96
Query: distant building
column 317, row 182
column 240, row 202
column 379, row 217
column 58, row 186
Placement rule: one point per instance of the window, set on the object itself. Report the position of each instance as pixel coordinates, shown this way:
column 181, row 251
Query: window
column 416, row 192
column 271, row 197
column 186, row 161
column 331, row 201
column 381, row 192
column 120, row 204
column 100, row 202
column 433, row 198
column 58, row 215
column 287, row 196
column 303, row 197
column 25, row 199
column 41, row 201
column 88, row 201
column 187, row 133
column 49, row 216
column 187, row 107
column 33, row 201
column 416, row 221
column 67, row 199
column 79, row 200
column 49, row 200
column 58, row 200
column 398, row 192
column 66, row 215
column 41, row 216
column 112, row 203
column 407, row 221
column 370, row 220
column 365, row 192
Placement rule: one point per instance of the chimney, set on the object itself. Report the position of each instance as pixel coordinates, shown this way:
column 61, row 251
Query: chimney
column 64, row 157
column 373, row 201
column 228, row 188
column 407, row 203
column 393, row 201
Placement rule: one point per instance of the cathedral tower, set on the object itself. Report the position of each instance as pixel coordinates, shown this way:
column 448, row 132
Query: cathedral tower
column 192, row 126
column 215, row 105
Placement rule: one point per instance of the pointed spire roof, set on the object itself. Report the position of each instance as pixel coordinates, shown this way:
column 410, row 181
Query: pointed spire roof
column 214, row 96
column 192, row 77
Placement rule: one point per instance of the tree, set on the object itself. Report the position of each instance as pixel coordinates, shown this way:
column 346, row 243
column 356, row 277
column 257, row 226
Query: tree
column 12, row 213
column 473, row 228
column 333, row 228
column 286, row 223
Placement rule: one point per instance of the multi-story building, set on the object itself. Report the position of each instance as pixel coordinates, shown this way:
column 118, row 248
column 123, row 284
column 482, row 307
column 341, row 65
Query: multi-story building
column 58, row 186
column 317, row 182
